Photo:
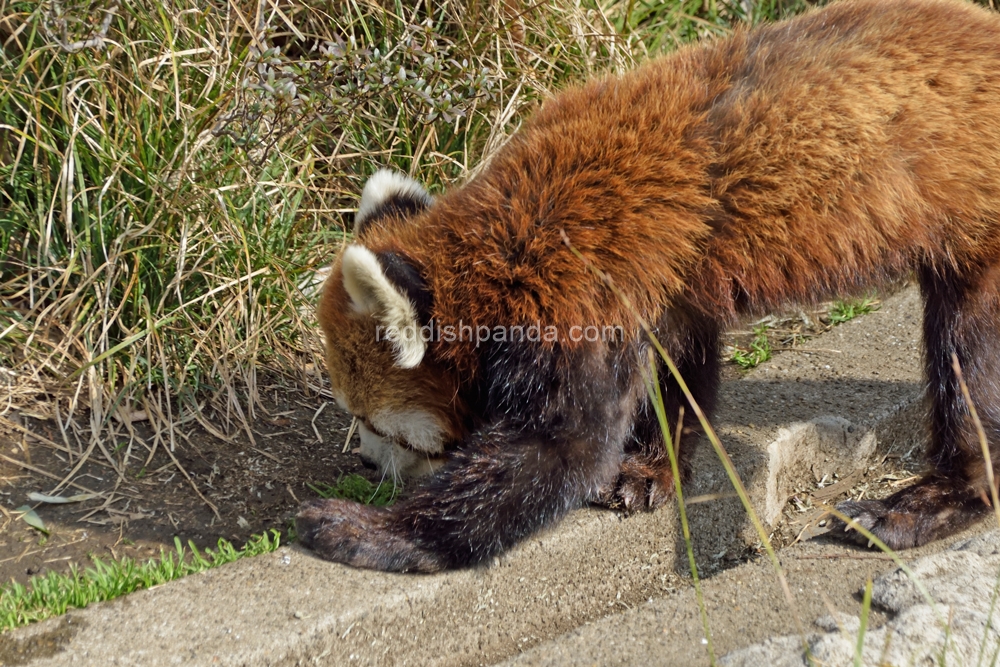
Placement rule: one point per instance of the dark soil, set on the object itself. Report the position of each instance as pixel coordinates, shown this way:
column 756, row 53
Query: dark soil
column 255, row 486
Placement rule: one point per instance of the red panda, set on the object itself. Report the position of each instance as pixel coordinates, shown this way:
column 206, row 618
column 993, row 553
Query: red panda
column 850, row 146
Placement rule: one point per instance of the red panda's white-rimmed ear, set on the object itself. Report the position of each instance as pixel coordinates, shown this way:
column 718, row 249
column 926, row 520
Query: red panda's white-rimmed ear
column 389, row 193
column 372, row 293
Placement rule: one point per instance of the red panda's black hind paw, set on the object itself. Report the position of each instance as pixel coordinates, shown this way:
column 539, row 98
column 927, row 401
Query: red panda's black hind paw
column 361, row 536
column 871, row 515
column 919, row 514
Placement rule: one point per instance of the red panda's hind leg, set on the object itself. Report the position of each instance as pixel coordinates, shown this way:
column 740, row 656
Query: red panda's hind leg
column 961, row 318
column 919, row 514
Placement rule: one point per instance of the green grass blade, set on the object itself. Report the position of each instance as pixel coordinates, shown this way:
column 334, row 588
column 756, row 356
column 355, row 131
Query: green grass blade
column 656, row 397
column 866, row 604
column 53, row 593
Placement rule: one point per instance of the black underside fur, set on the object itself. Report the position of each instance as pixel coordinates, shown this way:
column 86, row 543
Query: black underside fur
column 559, row 429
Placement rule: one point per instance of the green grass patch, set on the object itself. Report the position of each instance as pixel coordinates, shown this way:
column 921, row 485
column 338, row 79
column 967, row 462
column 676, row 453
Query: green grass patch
column 758, row 352
column 844, row 311
column 357, row 488
column 54, row 593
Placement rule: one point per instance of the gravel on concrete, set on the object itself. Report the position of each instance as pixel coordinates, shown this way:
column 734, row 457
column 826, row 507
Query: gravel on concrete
column 944, row 611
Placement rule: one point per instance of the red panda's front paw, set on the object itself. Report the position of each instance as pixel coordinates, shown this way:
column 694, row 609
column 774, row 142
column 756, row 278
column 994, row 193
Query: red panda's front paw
column 643, row 483
column 328, row 526
column 361, row 536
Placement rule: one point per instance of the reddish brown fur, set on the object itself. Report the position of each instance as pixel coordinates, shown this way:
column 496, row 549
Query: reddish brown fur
column 788, row 162
column 355, row 352
column 850, row 159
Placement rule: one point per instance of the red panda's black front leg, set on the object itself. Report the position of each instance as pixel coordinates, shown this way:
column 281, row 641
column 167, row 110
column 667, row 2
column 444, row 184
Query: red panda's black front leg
column 492, row 493
column 556, row 428
column 646, row 479
column 360, row 535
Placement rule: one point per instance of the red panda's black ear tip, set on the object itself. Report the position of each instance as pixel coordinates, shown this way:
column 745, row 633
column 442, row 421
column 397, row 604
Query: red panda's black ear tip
column 388, row 195
column 405, row 276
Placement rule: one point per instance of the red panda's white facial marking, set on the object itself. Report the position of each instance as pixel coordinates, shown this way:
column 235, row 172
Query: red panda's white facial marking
column 403, row 430
column 420, row 430
column 395, row 461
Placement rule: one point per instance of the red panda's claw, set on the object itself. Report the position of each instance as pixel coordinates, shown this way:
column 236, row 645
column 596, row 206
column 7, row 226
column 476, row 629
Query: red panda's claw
column 634, row 491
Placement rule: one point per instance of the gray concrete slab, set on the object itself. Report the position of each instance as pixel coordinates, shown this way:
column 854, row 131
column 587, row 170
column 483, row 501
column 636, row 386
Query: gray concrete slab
column 809, row 413
column 804, row 414
column 745, row 606
column 278, row 608
column 943, row 611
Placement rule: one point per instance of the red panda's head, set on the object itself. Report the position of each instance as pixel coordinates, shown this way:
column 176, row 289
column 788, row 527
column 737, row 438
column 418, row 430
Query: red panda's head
column 373, row 306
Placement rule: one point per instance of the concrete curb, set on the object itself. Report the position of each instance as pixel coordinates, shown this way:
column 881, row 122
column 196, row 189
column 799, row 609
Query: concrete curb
column 750, row 620
column 806, row 413
column 810, row 414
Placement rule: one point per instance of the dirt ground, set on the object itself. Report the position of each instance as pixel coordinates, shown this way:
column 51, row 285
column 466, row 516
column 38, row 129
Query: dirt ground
column 252, row 485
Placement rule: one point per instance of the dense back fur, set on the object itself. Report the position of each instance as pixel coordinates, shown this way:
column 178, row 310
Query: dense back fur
column 785, row 163
column 834, row 137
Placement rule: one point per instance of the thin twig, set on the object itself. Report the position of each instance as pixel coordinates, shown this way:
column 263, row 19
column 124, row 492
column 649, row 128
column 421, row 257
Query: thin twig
column 847, row 556
column 350, row 434
column 315, row 415
column 79, row 464
column 45, row 441
column 267, row 454
column 38, row 551
column 194, row 486
column 43, row 473
column 184, row 472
